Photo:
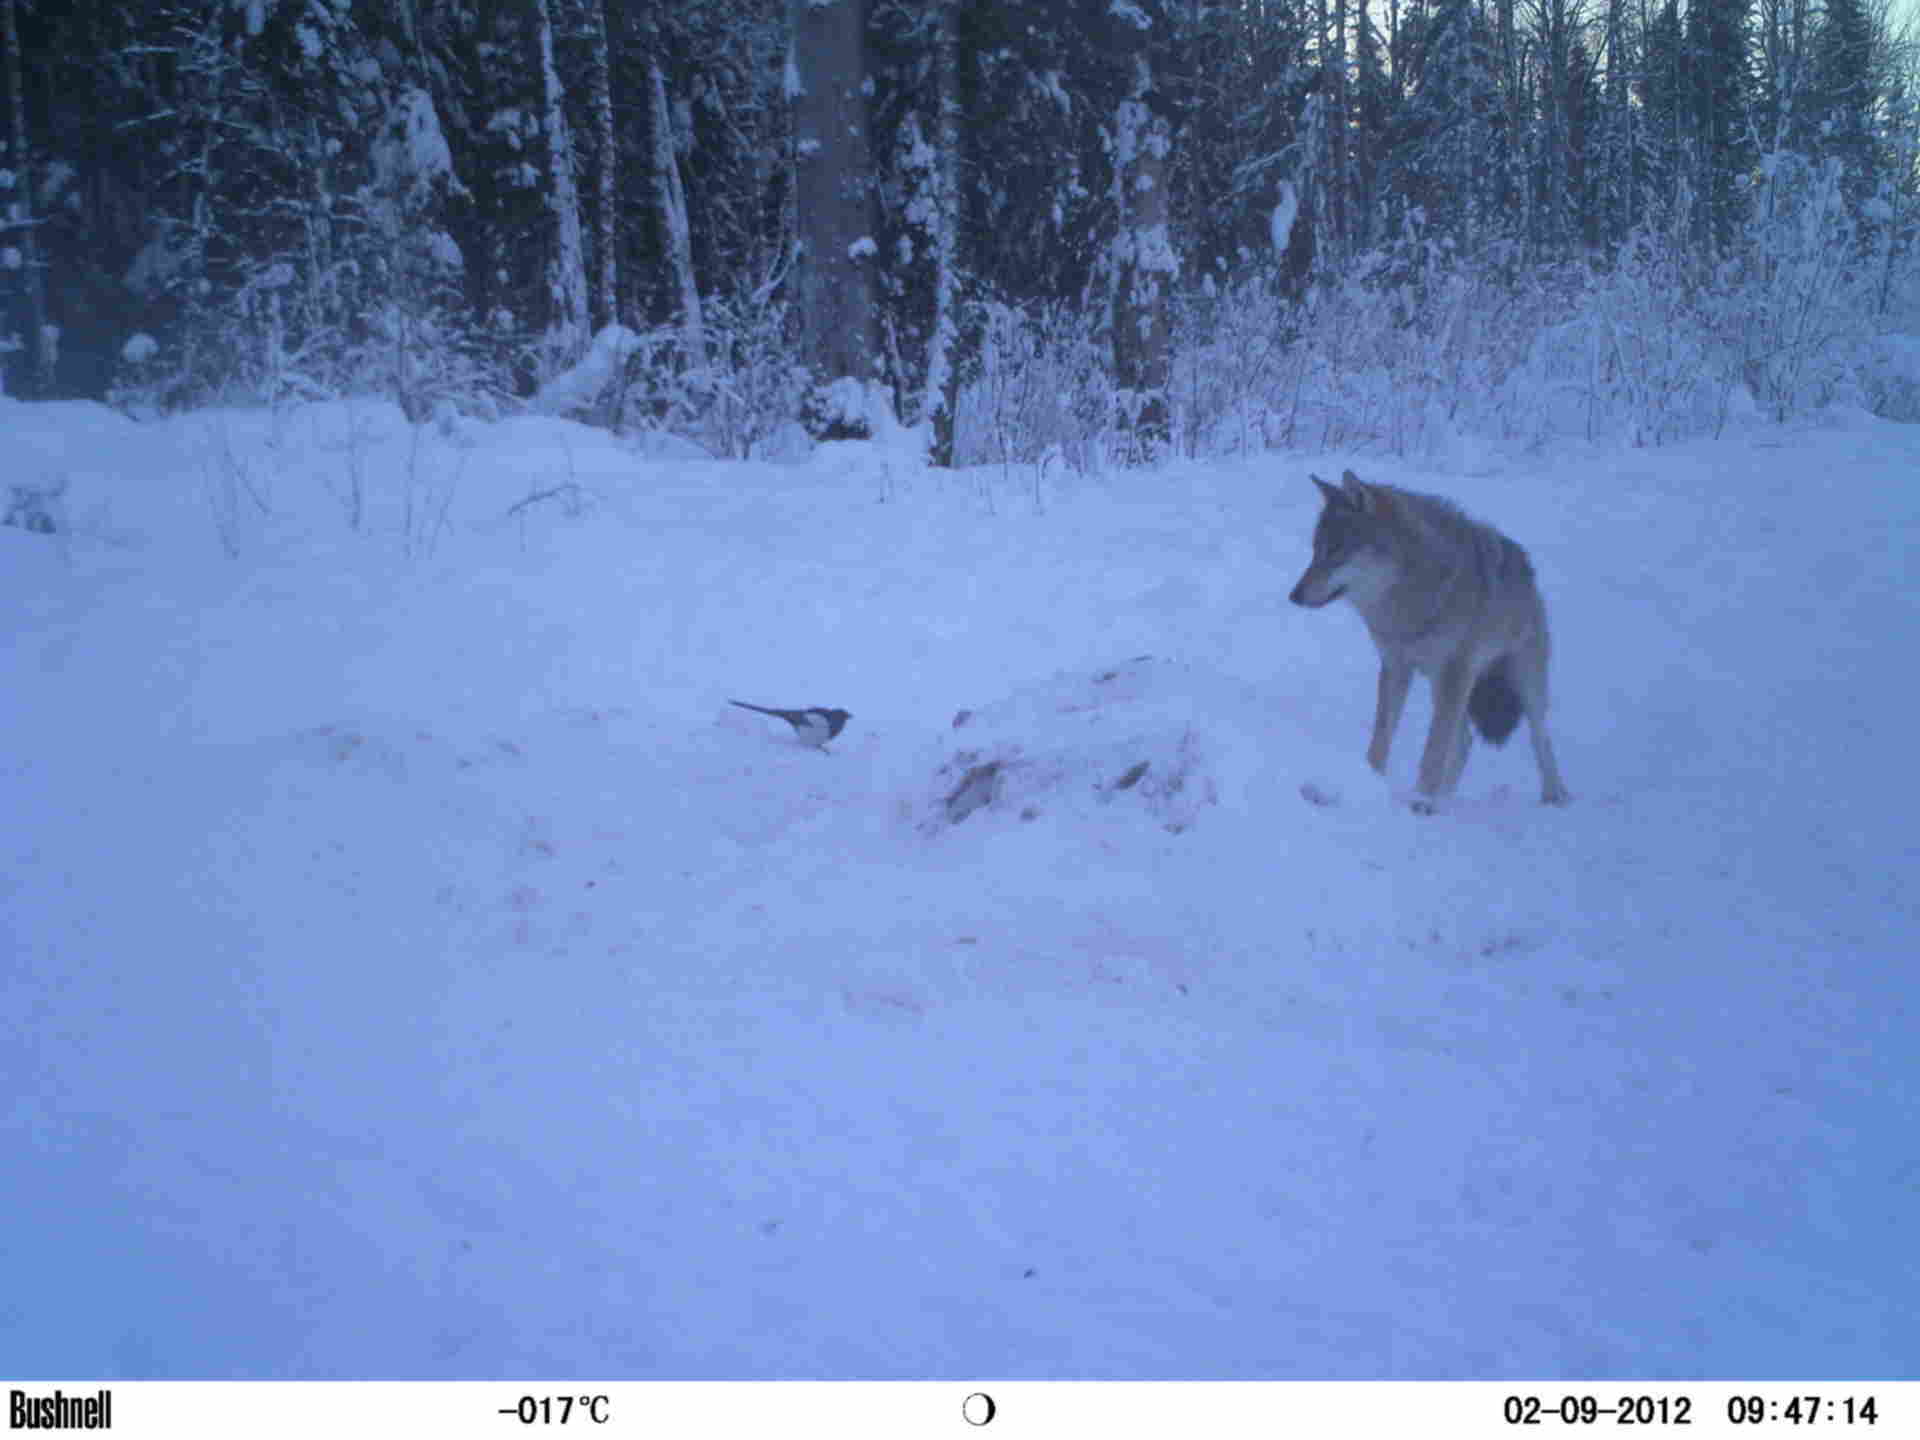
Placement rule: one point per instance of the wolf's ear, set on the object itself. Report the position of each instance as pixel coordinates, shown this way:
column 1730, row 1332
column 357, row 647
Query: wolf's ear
column 1332, row 494
column 1358, row 493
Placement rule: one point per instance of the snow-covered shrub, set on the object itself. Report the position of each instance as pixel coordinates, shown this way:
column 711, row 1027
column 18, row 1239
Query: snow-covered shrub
column 138, row 380
column 1416, row 345
column 1786, row 306
column 1409, row 347
column 1237, row 368
column 592, row 389
column 728, row 384
column 729, row 387
column 1038, row 384
column 1889, row 374
column 1631, row 359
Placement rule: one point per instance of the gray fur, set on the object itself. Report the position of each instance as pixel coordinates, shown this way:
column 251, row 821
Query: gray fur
column 1449, row 597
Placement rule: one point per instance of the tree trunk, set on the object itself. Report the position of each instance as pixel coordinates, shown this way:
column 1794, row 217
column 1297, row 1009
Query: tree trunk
column 1338, row 134
column 41, row 342
column 1145, row 268
column 833, row 270
column 606, row 300
column 673, row 214
column 943, row 359
column 567, row 269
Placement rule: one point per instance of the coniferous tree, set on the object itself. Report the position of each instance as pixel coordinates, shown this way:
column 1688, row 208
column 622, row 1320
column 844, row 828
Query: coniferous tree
column 1234, row 82
column 1553, row 38
column 1783, row 39
column 1718, row 87
column 262, row 252
column 497, row 108
column 1373, row 104
column 1662, row 177
column 1451, row 161
column 1614, row 133
column 1333, row 241
column 1582, row 101
column 725, row 66
column 1844, row 92
column 408, row 251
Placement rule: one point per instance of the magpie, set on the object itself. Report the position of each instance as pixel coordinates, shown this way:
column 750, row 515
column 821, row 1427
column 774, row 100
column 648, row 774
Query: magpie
column 812, row 726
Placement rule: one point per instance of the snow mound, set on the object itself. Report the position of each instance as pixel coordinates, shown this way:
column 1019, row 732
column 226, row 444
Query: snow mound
column 575, row 390
column 1145, row 739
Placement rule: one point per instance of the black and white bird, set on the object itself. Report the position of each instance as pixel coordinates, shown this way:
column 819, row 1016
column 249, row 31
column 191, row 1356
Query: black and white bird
column 813, row 726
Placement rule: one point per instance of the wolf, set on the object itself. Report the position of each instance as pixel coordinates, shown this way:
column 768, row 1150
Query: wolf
column 1443, row 594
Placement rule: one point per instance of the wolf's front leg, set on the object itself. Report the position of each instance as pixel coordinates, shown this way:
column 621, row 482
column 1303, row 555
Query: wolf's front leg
column 1392, row 699
column 1451, row 687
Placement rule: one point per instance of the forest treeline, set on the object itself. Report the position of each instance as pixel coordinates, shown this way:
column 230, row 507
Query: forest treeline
column 1180, row 218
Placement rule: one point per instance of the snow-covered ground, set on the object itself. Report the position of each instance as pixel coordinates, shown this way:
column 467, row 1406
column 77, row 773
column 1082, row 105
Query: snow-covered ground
column 414, row 968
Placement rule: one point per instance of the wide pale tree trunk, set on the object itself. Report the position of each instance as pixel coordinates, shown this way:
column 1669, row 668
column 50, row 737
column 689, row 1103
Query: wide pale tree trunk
column 1145, row 268
column 567, row 331
column 833, row 282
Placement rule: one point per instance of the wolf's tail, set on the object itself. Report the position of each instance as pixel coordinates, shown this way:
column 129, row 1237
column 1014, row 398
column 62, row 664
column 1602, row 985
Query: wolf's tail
column 1494, row 704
